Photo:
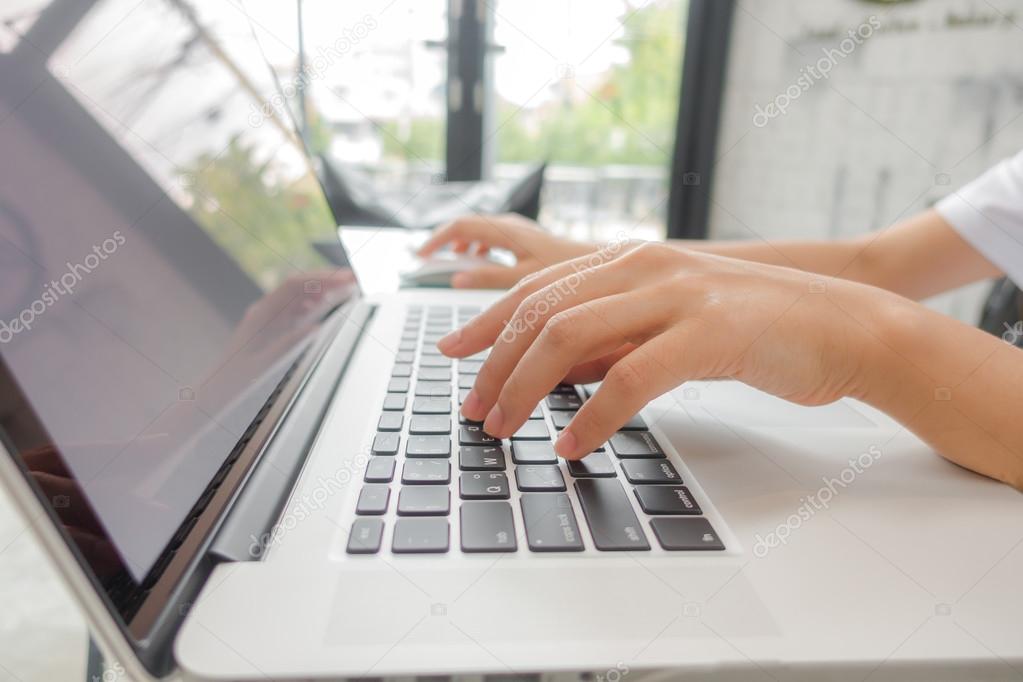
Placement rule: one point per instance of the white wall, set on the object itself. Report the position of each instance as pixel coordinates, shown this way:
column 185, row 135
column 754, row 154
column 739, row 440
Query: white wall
column 929, row 99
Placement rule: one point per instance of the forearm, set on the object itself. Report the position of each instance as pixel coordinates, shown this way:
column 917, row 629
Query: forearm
column 917, row 258
column 954, row 386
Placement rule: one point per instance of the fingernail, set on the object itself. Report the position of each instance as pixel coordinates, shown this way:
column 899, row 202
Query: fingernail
column 494, row 421
column 566, row 443
column 471, row 405
column 449, row 341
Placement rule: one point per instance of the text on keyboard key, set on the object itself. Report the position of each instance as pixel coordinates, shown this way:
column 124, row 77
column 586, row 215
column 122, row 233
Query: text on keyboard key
column 417, row 534
column 423, row 424
column 550, row 523
column 431, row 406
column 487, row 527
column 428, row 446
column 481, row 458
column 379, row 470
column 539, row 478
column 373, row 499
column 483, row 485
column 686, row 534
column 635, row 444
column 365, row 536
column 424, row 500
column 667, row 499
column 613, row 523
column 650, row 471
column 475, row 435
column 426, row 472
column 564, row 401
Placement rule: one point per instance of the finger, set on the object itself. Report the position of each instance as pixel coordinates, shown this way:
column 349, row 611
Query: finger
column 581, row 333
column 594, row 370
column 651, row 370
column 481, row 331
column 460, row 246
column 529, row 320
column 470, row 229
column 486, row 277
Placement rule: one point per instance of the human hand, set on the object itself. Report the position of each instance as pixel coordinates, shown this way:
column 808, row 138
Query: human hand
column 646, row 318
column 532, row 247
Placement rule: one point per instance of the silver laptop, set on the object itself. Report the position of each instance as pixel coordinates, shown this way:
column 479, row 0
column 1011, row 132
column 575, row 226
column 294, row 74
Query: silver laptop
column 245, row 468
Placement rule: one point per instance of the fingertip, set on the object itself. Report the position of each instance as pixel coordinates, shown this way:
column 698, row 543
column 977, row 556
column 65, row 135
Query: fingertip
column 567, row 445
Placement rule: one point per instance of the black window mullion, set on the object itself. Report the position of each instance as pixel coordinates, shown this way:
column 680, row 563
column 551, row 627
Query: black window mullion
column 466, row 88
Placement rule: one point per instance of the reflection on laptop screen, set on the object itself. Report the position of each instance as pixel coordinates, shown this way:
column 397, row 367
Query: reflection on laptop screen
column 158, row 278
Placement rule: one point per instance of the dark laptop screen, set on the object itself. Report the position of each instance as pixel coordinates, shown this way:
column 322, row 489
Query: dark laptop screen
column 158, row 277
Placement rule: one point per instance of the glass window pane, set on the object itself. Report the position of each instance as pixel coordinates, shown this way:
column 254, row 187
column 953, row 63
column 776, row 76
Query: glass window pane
column 592, row 87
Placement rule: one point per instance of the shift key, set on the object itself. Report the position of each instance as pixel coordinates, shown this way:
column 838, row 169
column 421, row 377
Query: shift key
column 613, row 523
column 550, row 523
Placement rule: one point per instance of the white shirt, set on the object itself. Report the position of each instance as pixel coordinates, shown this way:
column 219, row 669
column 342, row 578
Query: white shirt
column 988, row 213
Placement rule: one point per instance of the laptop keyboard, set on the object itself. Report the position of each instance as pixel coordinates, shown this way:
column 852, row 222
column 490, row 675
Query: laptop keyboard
column 430, row 463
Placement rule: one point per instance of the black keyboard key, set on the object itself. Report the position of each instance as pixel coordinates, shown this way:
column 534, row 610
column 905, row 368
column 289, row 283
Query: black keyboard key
column 650, row 471
column 365, row 536
column 465, row 421
column 480, row 458
column 593, row 465
column 430, row 349
column 401, row 370
column 426, row 472
column 386, row 444
column 487, row 527
column 428, row 446
column 390, row 421
column 433, row 389
column 527, row 452
column 373, row 500
column 462, row 393
column 414, row 535
column 436, row 362
column 424, row 500
column 481, row 485
column 466, row 380
column 431, row 406
column 635, row 444
column 407, row 346
column 550, row 523
column 379, row 470
column 394, row 401
column 398, row 385
column 613, row 523
column 564, row 401
column 433, row 374
column 682, row 534
column 564, row 388
column 475, row 435
column 405, row 356
column 561, row 418
column 662, row 499
column 538, row 478
column 469, row 366
column 423, row 424
column 637, row 423
column 533, row 429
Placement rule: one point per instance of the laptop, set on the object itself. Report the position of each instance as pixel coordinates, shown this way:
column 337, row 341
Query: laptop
column 245, row 467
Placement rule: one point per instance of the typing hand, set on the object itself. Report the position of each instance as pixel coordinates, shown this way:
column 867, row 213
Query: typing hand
column 532, row 247
column 646, row 318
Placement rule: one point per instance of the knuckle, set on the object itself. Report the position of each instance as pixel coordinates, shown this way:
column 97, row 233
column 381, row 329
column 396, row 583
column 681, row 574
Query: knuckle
column 625, row 378
column 562, row 330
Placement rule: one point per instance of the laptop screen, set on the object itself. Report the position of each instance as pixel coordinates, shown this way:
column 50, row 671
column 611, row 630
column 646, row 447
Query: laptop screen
column 159, row 277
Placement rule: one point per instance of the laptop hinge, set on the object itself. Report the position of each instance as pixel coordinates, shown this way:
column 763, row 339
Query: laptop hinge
column 246, row 529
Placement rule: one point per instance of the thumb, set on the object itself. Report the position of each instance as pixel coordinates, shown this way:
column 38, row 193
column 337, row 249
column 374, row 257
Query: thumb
column 486, row 277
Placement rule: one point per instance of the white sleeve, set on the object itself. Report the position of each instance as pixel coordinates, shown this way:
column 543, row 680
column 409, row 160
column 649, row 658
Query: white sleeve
column 988, row 213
